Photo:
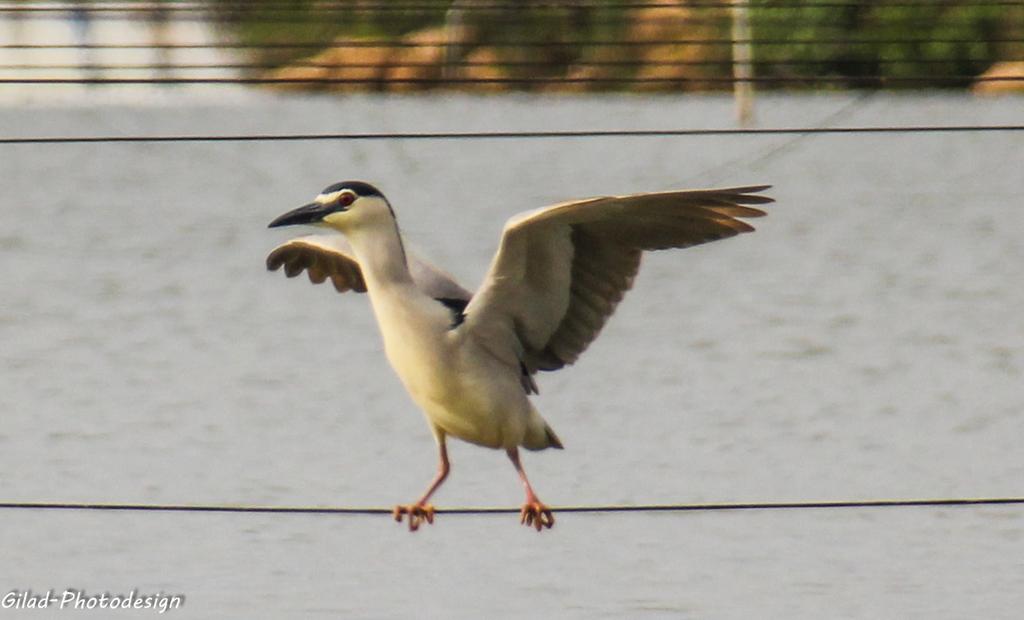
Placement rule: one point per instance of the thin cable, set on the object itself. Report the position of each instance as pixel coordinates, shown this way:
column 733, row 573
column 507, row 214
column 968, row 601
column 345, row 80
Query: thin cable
column 409, row 6
column 316, row 15
column 772, row 151
column 517, row 135
column 646, row 508
column 171, row 66
column 320, row 45
column 866, row 80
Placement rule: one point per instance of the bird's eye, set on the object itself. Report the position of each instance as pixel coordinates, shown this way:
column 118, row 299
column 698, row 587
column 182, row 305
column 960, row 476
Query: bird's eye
column 346, row 199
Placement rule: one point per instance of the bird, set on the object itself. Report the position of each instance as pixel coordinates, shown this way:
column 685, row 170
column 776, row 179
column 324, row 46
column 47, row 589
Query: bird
column 469, row 360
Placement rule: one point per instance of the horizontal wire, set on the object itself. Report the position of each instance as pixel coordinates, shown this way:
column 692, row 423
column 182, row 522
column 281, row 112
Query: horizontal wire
column 399, row 6
column 529, row 43
column 869, row 80
column 681, row 507
column 502, row 135
column 251, row 66
column 827, row 22
column 286, row 16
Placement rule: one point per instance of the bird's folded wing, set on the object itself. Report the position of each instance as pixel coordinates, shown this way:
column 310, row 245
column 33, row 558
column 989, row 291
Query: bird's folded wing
column 330, row 256
column 561, row 270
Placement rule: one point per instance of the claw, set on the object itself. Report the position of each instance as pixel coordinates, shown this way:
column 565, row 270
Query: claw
column 537, row 516
column 418, row 513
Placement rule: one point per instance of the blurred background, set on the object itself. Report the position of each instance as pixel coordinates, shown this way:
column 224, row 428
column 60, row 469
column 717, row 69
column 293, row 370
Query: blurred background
column 865, row 343
column 532, row 46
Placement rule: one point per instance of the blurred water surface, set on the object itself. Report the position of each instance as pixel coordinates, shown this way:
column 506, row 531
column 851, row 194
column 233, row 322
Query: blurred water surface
column 866, row 342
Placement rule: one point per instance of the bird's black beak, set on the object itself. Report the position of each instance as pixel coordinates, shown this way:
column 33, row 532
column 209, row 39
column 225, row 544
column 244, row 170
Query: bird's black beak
column 306, row 214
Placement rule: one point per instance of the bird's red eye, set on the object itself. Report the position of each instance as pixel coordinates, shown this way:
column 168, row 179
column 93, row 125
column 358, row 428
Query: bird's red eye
column 346, row 198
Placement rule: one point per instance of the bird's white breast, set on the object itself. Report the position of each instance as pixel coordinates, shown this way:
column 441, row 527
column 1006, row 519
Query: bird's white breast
column 463, row 389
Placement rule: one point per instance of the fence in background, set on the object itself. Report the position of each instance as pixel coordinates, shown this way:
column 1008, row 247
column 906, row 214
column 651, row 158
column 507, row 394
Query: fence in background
column 531, row 45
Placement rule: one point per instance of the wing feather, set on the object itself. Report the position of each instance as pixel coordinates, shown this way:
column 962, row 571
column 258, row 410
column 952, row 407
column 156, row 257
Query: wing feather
column 322, row 257
column 560, row 271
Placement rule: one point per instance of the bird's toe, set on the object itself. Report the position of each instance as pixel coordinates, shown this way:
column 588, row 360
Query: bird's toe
column 418, row 513
column 537, row 516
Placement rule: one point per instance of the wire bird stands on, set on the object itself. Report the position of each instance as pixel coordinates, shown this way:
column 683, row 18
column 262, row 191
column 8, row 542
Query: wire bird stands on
column 516, row 135
column 637, row 508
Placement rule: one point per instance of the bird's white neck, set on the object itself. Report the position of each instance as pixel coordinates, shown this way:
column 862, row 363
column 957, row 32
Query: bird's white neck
column 412, row 325
column 381, row 255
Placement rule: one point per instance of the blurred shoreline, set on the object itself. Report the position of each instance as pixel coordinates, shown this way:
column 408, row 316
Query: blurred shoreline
column 345, row 47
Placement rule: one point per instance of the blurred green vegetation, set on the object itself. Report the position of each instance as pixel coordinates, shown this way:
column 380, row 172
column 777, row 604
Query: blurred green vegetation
column 303, row 21
column 947, row 38
column 931, row 41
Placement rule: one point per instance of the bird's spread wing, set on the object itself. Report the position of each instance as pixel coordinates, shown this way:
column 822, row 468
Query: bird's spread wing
column 330, row 256
column 561, row 270
column 322, row 256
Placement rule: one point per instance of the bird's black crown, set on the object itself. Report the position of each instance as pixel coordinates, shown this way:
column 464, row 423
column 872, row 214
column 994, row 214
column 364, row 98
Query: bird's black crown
column 359, row 187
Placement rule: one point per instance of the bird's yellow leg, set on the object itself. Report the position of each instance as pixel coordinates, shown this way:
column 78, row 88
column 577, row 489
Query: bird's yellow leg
column 535, row 513
column 422, row 511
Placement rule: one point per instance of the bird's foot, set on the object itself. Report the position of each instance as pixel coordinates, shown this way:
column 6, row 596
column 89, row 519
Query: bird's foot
column 537, row 515
column 418, row 513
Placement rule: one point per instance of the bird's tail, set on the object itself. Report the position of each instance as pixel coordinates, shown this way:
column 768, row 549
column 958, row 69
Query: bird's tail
column 539, row 434
column 553, row 440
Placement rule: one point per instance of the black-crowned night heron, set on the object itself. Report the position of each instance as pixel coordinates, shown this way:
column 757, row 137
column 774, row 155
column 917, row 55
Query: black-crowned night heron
column 468, row 360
